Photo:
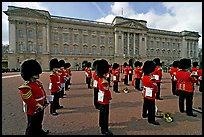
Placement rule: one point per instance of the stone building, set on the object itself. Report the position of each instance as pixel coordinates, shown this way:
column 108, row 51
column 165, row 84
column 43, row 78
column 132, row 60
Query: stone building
column 37, row 34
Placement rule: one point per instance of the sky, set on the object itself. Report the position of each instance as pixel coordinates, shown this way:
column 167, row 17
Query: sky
column 172, row 16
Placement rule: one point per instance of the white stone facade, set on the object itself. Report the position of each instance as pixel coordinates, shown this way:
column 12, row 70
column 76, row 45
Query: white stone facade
column 37, row 34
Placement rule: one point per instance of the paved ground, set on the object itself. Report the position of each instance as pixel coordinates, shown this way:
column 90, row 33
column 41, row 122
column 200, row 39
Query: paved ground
column 78, row 117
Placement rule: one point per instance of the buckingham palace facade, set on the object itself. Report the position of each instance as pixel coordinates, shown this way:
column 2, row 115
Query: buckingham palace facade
column 37, row 34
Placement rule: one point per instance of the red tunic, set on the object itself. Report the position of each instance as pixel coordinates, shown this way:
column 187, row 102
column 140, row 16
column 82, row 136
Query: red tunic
column 88, row 72
column 130, row 71
column 200, row 74
column 115, row 75
column 138, row 72
column 104, row 88
column 95, row 78
column 185, row 81
column 158, row 73
column 194, row 70
column 62, row 75
column 55, row 83
column 32, row 93
column 149, row 83
column 173, row 73
column 126, row 72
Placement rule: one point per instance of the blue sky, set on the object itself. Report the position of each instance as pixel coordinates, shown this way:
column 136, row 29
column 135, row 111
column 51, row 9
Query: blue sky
column 173, row 16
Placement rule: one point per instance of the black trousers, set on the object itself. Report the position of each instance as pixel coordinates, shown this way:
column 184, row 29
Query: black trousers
column 108, row 79
column 130, row 77
column 126, row 80
column 158, row 93
column 89, row 82
column 55, row 103
column 34, row 125
column 67, row 84
column 96, row 104
column 189, row 101
column 174, row 92
column 200, row 85
column 137, row 83
column 149, row 105
column 103, row 117
column 115, row 86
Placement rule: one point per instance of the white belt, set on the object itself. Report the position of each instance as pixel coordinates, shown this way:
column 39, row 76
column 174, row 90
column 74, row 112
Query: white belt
column 38, row 99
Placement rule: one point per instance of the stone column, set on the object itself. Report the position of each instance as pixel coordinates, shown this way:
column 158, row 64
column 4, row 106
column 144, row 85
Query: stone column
column 134, row 43
column 44, row 36
column 128, row 42
column 122, row 44
column 116, row 43
column 12, row 36
column 48, row 37
column 26, row 38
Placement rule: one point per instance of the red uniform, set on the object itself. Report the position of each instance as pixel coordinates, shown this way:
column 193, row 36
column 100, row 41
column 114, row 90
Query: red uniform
column 95, row 78
column 138, row 72
column 54, row 82
column 104, row 89
column 95, row 85
column 194, row 70
column 173, row 73
column 62, row 76
column 130, row 71
column 199, row 74
column 126, row 71
column 185, row 81
column 88, row 72
column 32, row 93
column 149, row 84
column 158, row 73
column 115, row 74
column 173, row 79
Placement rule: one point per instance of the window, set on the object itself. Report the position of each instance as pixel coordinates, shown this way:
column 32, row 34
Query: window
column 20, row 34
column 30, row 34
column 93, row 39
column 75, row 38
column 56, row 36
column 39, row 34
column 66, row 39
column 110, row 40
column 102, row 40
column 94, row 52
column 39, row 49
column 85, row 39
column 30, row 47
column 21, row 47
column 65, row 50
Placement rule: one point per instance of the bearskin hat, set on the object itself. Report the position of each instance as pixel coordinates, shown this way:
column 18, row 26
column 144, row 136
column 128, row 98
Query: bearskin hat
column 125, row 64
column 184, row 63
column 102, row 68
column 195, row 64
column 137, row 63
column 67, row 65
column 157, row 61
column 61, row 63
column 130, row 63
column 115, row 65
column 140, row 64
column 148, row 67
column 54, row 63
column 175, row 64
column 30, row 68
column 95, row 64
column 88, row 64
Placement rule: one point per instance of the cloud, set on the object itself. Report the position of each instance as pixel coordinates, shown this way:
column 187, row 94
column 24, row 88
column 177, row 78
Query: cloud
column 180, row 16
column 33, row 5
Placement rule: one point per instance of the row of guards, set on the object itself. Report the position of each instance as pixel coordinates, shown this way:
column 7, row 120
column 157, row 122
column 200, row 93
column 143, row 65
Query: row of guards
column 147, row 79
